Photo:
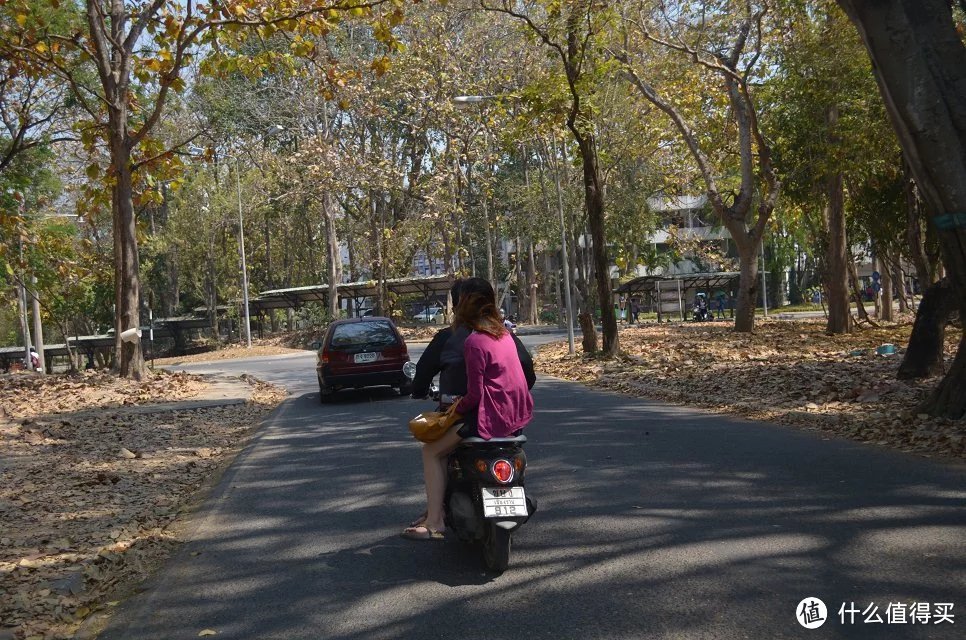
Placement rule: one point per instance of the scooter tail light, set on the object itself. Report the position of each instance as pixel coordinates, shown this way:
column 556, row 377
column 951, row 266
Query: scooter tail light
column 480, row 466
column 502, row 471
column 518, row 464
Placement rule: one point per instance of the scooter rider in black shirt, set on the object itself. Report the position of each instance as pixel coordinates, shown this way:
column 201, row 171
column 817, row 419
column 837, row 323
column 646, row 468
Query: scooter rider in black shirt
column 444, row 356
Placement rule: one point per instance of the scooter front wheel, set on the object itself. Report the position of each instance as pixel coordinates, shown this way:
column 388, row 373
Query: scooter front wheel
column 496, row 548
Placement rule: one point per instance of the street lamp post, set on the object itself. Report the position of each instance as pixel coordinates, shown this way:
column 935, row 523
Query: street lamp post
column 241, row 252
column 565, row 264
column 273, row 130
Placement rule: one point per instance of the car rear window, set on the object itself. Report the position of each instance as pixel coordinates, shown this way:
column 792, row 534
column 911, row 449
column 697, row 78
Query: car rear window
column 360, row 335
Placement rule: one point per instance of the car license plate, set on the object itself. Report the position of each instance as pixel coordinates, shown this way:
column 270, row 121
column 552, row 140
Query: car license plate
column 504, row 503
column 365, row 357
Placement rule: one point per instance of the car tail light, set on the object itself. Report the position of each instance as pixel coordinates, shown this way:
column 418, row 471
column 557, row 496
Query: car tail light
column 324, row 358
column 502, row 471
column 393, row 351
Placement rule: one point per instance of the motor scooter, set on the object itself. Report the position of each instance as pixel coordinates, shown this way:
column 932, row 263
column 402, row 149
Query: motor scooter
column 485, row 500
column 700, row 311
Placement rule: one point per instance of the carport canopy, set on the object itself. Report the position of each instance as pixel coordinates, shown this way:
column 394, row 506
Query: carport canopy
column 677, row 286
column 726, row 280
column 296, row 297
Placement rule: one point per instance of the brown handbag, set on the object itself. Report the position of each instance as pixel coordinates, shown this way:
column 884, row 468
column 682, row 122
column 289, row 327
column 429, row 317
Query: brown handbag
column 430, row 426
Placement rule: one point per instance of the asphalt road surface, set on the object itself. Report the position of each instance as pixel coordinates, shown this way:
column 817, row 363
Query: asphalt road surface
column 655, row 522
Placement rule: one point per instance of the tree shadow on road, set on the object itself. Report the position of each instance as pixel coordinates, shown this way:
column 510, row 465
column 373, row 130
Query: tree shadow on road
column 654, row 521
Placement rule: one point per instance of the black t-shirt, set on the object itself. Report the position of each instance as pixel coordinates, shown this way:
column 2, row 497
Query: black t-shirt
column 444, row 355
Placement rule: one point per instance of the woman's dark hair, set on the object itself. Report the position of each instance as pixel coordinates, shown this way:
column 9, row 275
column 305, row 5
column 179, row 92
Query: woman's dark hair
column 477, row 308
column 454, row 292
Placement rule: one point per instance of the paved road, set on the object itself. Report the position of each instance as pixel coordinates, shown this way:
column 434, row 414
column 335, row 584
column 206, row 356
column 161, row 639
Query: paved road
column 654, row 522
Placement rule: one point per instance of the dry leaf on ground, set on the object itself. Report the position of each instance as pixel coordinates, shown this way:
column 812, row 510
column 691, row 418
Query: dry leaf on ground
column 787, row 372
column 87, row 497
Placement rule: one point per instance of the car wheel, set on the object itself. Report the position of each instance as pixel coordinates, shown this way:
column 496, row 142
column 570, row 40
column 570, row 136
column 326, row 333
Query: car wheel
column 325, row 394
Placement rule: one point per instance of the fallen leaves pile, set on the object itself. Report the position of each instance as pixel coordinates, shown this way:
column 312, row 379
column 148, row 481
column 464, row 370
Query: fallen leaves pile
column 88, row 497
column 26, row 396
column 302, row 338
column 786, row 372
column 420, row 333
column 232, row 352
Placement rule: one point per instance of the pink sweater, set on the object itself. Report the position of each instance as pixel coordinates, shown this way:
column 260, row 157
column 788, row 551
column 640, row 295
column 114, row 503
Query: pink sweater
column 496, row 386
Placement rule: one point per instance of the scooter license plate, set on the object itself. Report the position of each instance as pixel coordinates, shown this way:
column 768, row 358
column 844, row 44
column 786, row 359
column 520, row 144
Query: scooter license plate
column 504, row 503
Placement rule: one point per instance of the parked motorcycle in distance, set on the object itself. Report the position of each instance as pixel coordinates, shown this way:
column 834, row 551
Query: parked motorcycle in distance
column 485, row 500
column 700, row 312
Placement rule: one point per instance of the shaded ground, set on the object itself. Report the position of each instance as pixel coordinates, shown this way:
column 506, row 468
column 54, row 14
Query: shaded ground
column 94, row 472
column 786, row 372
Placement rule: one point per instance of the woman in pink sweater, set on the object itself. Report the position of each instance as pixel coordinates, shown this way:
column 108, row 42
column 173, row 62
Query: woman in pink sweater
column 497, row 403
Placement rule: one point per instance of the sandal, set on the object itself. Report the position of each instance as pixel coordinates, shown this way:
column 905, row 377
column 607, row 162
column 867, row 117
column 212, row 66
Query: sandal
column 422, row 532
column 418, row 521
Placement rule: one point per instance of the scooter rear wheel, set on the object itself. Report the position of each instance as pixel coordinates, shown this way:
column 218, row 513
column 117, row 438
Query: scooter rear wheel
column 496, row 548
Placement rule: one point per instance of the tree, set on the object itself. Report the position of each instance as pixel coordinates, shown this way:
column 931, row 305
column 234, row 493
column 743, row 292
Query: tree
column 571, row 30
column 833, row 142
column 140, row 50
column 920, row 65
column 723, row 39
column 34, row 107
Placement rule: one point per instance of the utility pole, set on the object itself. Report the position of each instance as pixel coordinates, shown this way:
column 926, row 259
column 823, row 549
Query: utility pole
column 563, row 248
column 38, row 327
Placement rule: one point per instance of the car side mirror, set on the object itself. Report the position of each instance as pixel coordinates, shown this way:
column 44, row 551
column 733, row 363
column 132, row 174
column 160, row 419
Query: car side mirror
column 316, row 345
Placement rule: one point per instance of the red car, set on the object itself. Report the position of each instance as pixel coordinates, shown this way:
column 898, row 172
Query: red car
column 362, row 352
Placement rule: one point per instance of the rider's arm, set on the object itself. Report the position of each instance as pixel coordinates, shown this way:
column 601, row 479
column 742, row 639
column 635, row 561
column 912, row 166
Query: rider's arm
column 526, row 361
column 429, row 364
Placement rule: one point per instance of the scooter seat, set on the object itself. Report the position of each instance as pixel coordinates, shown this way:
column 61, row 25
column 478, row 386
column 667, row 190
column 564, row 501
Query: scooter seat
column 516, row 440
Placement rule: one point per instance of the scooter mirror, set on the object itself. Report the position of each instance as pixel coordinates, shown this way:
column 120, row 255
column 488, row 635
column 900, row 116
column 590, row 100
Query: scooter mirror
column 409, row 370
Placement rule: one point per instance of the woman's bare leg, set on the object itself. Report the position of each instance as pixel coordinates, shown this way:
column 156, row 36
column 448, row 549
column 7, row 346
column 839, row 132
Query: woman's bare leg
column 434, row 475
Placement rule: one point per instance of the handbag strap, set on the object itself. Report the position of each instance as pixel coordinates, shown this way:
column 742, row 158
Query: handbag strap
column 451, row 410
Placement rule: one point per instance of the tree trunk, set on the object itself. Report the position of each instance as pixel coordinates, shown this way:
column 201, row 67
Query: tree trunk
column 747, row 287
column 130, row 360
column 588, row 331
column 920, row 64
column 594, row 201
column 899, row 283
column 836, row 251
column 533, row 286
column 857, row 291
column 376, row 253
column 269, row 276
column 836, row 259
column 523, row 293
column 886, row 312
column 914, row 235
column 924, row 354
column 488, row 237
column 333, row 255
column 948, row 399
